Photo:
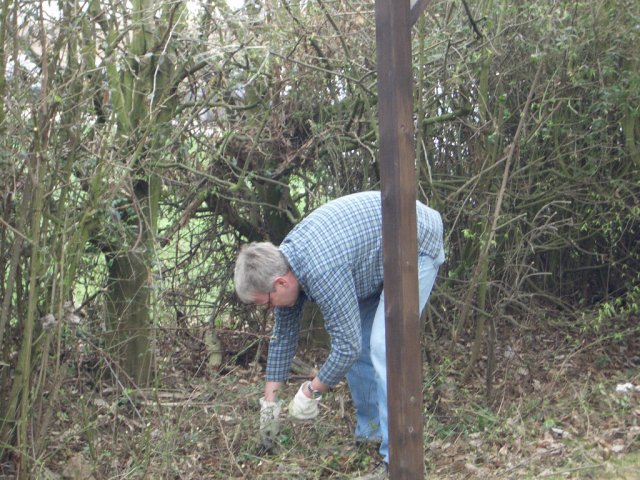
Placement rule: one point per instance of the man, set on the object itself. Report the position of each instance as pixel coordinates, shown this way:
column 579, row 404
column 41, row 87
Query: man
column 334, row 258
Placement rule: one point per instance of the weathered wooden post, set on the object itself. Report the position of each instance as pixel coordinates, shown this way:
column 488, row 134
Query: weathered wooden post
column 397, row 167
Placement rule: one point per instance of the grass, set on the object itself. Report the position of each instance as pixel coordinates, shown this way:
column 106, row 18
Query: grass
column 622, row 467
column 555, row 414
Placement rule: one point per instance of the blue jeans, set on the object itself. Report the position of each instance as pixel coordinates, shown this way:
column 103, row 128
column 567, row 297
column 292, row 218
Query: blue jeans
column 368, row 376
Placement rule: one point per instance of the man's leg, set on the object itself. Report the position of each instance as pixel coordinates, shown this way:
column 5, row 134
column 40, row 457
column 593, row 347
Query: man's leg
column 427, row 272
column 362, row 381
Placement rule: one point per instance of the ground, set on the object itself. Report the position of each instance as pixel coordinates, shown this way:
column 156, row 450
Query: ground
column 562, row 406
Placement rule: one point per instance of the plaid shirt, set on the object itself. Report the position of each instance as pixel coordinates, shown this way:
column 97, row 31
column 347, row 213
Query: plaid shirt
column 336, row 255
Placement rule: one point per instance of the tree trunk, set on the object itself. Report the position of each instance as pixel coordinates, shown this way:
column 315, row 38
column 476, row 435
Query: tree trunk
column 129, row 337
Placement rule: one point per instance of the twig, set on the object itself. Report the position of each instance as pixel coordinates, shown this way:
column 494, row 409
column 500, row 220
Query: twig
column 574, row 469
column 14, row 230
column 471, row 20
column 226, row 442
column 483, row 257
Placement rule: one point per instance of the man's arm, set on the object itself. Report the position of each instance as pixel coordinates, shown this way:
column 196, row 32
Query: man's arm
column 282, row 347
column 318, row 386
column 336, row 296
column 271, row 390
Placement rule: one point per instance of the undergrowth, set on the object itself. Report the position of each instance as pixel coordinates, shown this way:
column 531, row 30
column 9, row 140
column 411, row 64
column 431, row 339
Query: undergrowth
column 557, row 410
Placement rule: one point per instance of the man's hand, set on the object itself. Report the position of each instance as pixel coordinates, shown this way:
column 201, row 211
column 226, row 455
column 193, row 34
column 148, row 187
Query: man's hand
column 302, row 407
column 269, row 421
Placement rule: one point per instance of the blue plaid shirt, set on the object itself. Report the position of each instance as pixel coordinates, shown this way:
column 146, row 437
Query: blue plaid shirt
column 336, row 255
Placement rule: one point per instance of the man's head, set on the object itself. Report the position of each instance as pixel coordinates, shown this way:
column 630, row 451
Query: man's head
column 262, row 276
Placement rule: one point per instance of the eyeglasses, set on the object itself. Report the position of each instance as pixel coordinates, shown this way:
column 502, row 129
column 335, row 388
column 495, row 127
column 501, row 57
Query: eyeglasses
column 267, row 304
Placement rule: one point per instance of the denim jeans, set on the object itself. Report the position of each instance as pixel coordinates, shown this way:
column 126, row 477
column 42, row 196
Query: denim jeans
column 367, row 378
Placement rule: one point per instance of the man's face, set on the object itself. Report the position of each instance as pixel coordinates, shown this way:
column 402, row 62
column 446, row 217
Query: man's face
column 284, row 294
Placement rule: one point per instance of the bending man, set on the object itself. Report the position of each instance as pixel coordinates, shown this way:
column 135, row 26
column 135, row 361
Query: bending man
column 334, row 258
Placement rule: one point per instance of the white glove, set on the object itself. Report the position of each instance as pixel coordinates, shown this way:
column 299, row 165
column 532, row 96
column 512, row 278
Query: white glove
column 269, row 422
column 303, row 407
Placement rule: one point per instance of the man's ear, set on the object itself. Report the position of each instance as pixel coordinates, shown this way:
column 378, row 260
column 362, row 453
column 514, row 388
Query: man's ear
column 286, row 280
column 282, row 281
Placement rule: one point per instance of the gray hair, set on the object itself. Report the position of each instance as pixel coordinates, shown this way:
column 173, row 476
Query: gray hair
column 257, row 266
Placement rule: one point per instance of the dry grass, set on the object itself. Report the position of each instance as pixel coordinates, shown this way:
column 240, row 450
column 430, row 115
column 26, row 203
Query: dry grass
column 555, row 413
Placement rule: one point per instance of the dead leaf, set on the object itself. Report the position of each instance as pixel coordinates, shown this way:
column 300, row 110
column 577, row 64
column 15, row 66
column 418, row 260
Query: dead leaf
column 78, row 468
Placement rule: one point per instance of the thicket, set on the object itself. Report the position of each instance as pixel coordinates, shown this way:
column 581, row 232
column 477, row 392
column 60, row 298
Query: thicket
column 143, row 142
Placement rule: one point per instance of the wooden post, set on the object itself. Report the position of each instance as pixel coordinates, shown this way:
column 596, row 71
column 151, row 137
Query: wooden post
column 397, row 168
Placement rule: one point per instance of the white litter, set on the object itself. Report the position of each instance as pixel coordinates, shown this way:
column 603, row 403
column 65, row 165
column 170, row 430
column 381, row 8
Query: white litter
column 626, row 388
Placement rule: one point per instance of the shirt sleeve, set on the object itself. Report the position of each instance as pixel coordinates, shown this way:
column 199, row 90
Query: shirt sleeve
column 335, row 294
column 284, row 341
